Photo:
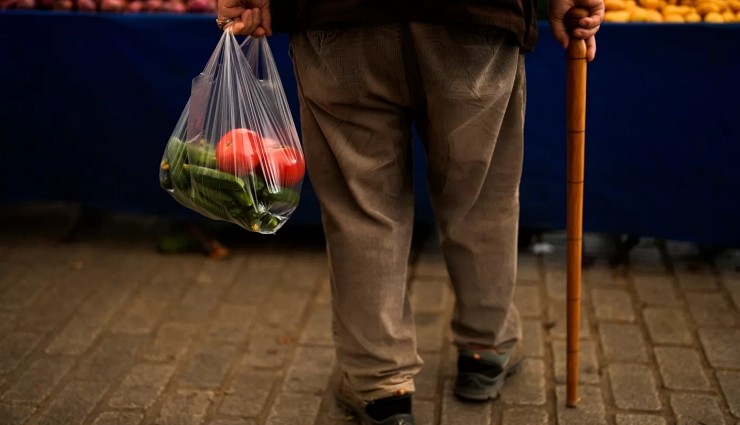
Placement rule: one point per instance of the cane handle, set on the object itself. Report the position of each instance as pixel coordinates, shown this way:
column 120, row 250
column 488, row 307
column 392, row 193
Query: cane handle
column 573, row 16
column 577, row 46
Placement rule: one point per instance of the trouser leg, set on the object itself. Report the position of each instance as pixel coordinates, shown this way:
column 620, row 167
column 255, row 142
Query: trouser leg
column 355, row 125
column 472, row 122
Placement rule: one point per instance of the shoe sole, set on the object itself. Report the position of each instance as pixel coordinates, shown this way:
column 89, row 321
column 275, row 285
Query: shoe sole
column 362, row 419
column 479, row 387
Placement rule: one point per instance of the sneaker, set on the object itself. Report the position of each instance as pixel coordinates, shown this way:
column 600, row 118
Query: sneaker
column 393, row 410
column 481, row 373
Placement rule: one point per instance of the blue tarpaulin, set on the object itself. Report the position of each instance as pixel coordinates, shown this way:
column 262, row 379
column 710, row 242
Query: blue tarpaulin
column 88, row 101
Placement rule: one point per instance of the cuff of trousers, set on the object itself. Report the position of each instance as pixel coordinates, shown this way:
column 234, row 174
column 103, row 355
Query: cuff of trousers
column 349, row 396
column 470, row 343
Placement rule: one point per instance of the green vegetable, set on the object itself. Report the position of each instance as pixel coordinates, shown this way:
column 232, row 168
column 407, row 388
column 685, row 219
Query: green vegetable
column 256, row 182
column 176, row 153
column 189, row 173
column 180, row 178
column 209, row 206
column 214, row 178
column 243, row 198
column 165, row 181
column 236, row 203
column 264, row 223
column 286, row 195
column 270, row 222
column 201, row 155
column 183, row 198
column 214, row 195
column 179, row 242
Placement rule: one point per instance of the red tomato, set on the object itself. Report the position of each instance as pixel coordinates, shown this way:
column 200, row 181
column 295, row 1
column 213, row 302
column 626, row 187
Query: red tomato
column 238, row 151
column 270, row 143
column 285, row 166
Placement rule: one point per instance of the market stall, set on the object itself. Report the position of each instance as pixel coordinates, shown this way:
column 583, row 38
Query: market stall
column 88, row 101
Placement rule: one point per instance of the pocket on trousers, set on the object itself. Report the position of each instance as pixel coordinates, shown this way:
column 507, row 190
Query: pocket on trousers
column 339, row 54
column 320, row 38
column 467, row 61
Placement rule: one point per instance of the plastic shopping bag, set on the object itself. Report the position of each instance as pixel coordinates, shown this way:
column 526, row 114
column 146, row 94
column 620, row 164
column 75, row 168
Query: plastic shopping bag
column 234, row 154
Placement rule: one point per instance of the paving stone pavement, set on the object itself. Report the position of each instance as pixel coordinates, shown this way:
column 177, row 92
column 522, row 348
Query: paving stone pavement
column 104, row 330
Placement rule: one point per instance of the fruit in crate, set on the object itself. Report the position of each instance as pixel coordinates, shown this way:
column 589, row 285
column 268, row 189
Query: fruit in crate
column 115, row 6
column 672, row 11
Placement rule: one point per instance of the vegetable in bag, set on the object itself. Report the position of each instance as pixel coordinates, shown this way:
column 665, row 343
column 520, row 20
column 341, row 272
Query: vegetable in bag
column 234, row 154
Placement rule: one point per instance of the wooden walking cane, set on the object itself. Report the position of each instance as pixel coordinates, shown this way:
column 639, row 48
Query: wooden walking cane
column 575, row 99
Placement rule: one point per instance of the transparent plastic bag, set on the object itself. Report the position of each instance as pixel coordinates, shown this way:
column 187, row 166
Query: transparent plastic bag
column 234, row 154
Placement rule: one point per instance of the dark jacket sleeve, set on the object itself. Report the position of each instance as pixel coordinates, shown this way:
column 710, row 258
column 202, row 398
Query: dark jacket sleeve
column 284, row 15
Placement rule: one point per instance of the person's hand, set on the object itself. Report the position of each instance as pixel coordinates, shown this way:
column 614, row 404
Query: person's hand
column 587, row 27
column 249, row 17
